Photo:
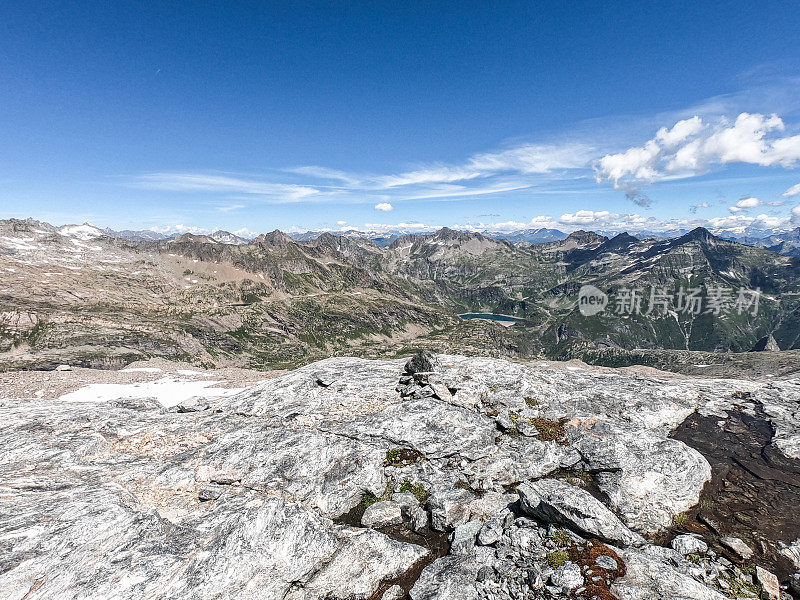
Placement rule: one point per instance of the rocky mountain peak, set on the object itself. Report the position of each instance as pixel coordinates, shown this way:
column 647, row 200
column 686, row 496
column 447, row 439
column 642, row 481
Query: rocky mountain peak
column 582, row 237
column 274, row 238
column 452, row 235
column 700, row 234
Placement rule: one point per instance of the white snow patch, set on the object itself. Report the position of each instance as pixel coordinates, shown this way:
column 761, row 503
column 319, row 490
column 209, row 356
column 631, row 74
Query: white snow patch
column 82, row 232
column 167, row 391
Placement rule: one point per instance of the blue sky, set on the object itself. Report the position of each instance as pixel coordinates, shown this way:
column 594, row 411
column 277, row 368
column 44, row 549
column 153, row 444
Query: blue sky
column 319, row 115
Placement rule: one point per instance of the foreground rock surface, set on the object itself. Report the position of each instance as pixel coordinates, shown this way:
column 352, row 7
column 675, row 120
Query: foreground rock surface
column 251, row 495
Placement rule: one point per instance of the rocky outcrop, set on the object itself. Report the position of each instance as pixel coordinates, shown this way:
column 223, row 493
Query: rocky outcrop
column 556, row 501
column 326, row 482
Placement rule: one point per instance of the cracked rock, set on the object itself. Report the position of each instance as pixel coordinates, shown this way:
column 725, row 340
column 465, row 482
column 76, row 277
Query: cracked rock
column 556, row 501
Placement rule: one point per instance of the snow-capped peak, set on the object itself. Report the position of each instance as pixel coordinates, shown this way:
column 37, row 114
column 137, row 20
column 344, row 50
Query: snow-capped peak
column 83, row 232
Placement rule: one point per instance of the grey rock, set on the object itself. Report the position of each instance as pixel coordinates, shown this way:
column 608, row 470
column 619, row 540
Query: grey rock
column 794, row 582
column 423, row 362
column 606, row 562
column 770, row 586
column 193, row 405
column 408, row 503
column 448, row 578
column 738, row 546
column 366, row 557
column 430, row 426
column 792, row 552
column 209, row 492
column 556, row 501
column 418, row 520
column 648, row 479
column 527, row 428
column 689, row 544
column 567, row 577
column 440, row 391
column 449, row 508
column 491, row 531
column 423, row 392
column 651, row 573
column 393, row 593
column 464, row 537
column 101, row 499
column 382, row 514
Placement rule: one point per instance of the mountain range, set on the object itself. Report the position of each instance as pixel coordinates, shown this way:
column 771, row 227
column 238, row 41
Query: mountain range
column 83, row 295
column 782, row 241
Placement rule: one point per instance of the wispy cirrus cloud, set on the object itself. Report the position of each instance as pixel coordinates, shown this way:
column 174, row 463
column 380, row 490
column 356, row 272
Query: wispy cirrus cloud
column 205, row 182
column 525, row 159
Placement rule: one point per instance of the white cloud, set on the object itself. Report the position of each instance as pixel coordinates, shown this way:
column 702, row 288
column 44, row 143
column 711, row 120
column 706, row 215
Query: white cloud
column 792, row 191
column 457, row 191
column 739, row 223
column 691, row 147
column 525, row 159
column 406, row 227
column 588, row 217
column 180, row 229
column 384, row 206
column 796, row 215
column 325, row 173
column 340, row 223
column 202, row 182
column 745, row 204
column 245, row 233
column 230, row 207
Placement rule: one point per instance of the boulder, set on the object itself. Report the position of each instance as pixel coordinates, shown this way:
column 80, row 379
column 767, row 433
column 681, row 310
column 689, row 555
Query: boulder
column 423, row 362
column 448, row 578
column 651, row 574
column 556, row 501
column 735, row 544
column 491, row 531
column 648, row 479
column 382, row 514
column 449, row 508
column 366, row 558
column 770, row 586
column 689, row 544
column 464, row 537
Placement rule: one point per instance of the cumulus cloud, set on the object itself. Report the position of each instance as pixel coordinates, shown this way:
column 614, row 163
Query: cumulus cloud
column 588, row 217
column 384, row 206
column 738, row 223
column 792, row 191
column 745, row 203
column 691, row 147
